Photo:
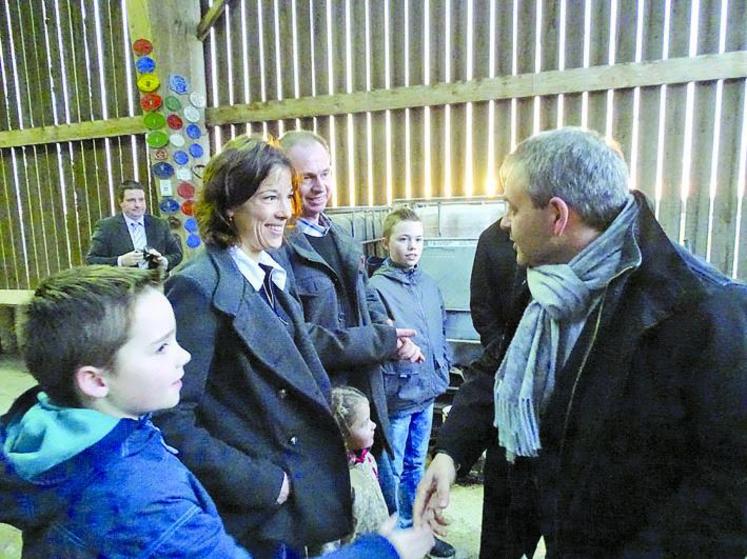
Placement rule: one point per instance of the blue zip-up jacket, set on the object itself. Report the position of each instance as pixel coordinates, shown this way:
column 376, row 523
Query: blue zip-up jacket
column 83, row 485
column 413, row 300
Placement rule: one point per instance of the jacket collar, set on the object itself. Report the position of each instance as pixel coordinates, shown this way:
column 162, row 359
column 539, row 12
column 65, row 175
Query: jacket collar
column 235, row 297
column 350, row 252
column 398, row 273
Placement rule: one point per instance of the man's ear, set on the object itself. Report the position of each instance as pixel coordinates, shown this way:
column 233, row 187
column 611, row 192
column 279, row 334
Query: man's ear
column 561, row 215
column 91, row 381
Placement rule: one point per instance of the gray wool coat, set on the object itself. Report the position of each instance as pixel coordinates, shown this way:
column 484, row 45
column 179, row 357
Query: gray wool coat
column 255, row 404
column 352, row 349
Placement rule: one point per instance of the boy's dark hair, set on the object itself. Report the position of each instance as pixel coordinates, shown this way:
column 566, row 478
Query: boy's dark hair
column 127, row 185
column 344, row 401
column 79, row 317
column 231, row 178
column 394, row 217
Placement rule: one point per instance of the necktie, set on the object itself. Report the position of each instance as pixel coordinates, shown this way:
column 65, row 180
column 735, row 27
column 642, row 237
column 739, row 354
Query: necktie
column 138, row 241
column 267, row 287
column 138, row 236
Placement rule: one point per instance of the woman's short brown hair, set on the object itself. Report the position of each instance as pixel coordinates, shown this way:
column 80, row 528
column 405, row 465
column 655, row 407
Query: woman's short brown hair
column 231, row 178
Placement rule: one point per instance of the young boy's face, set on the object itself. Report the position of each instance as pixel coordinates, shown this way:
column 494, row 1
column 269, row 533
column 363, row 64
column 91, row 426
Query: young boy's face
column 148, row 368
column 405, row 243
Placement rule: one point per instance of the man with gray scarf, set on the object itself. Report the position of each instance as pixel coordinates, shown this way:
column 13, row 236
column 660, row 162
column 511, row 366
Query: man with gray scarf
column 621, row 398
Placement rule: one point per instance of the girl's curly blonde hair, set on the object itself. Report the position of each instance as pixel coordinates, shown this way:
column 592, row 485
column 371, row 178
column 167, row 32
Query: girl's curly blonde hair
column 345, row 401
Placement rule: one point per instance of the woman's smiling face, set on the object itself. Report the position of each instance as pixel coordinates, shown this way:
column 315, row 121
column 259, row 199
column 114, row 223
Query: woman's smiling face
column 260, row 221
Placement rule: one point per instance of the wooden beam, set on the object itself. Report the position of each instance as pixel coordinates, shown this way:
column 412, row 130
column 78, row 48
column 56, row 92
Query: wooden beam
column 729, row 65
column 70, row 132
column 210, row 17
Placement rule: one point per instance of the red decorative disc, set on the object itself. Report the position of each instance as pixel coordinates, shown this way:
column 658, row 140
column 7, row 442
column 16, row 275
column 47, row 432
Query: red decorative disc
column 174, row 122
column 150, row 101
column 142, row 47
column 185, row 190
column 188, row 207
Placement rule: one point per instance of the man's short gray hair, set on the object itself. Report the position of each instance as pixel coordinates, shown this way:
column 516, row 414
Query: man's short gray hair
column 301, row 137
column 580, row 166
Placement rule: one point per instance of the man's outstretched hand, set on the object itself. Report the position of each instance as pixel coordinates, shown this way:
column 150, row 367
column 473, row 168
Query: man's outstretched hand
column 433, row 494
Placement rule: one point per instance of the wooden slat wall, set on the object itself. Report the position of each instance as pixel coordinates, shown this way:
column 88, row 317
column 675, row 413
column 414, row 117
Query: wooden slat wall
column 63, row 61
column 683, row 149
column 686, row 143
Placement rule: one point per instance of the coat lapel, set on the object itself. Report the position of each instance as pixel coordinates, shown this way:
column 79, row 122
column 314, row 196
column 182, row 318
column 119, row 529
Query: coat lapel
column 260, row 330
column 301, row 246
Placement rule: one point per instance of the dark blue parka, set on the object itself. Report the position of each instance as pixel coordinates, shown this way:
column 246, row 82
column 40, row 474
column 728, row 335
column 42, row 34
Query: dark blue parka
column 125, row 496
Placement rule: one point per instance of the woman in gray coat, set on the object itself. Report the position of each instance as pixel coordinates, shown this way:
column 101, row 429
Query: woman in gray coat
column 254, row 423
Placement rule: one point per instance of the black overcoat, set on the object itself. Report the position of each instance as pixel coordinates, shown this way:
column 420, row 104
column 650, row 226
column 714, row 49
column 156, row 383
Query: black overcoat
column 644, row 441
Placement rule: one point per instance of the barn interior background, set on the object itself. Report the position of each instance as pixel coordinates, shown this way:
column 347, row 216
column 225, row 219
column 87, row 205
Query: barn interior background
column 420, row 99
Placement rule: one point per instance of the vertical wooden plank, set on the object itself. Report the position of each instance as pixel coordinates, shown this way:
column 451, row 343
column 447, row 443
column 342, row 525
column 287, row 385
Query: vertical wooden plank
column 339, row 125
column 224, row 67
column 80, row 162
column 252, row 38
column 284, row 52
column 381, row 145
column 14, row 274
column 480, row 111
column 42, row 204
column 574, row 57
column 66, row 212
column 733, row 119
column 417, row 118
column 240, row 54
column 360, row 186
column 670, row 205
column 599, row 55
column 397, row 34
column 110, row 29
column 438, row 113
column 87, row 71
column 727, row 194
column 622, row 123
column 26, row 165
column 526, row 50
column 321, row 46
column 503, row 57
column 707, row 104
column 650, row 115
column 461, row 160
column 550, row 60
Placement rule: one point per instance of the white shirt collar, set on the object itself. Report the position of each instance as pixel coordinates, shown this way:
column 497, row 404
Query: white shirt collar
column 314, row 229
column 253, row 273
column 130, row 221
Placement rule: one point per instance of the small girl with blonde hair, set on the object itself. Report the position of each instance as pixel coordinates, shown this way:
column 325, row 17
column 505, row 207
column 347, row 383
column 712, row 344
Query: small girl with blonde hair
column 352, row 413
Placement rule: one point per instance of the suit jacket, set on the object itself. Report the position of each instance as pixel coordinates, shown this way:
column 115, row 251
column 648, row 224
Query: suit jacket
column 111, row 239
column 352, row 349
column 255, row 404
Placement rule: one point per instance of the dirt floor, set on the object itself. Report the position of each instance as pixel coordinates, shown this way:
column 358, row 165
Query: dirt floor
column 464, row 512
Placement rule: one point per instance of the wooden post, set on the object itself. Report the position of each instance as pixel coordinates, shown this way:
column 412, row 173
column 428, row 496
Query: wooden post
column 171, row 27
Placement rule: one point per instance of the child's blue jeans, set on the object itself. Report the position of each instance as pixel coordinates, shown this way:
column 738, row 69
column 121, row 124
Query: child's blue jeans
column 410, row 433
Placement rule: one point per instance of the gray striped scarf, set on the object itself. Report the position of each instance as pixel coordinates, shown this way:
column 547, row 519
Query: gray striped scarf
column 562, row 298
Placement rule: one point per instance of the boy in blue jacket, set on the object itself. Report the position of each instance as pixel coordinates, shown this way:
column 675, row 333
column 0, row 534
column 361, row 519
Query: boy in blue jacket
column 411, row 297
column 83, row 471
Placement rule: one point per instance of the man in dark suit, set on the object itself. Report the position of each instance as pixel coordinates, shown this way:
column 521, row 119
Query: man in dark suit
column 122, row 240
